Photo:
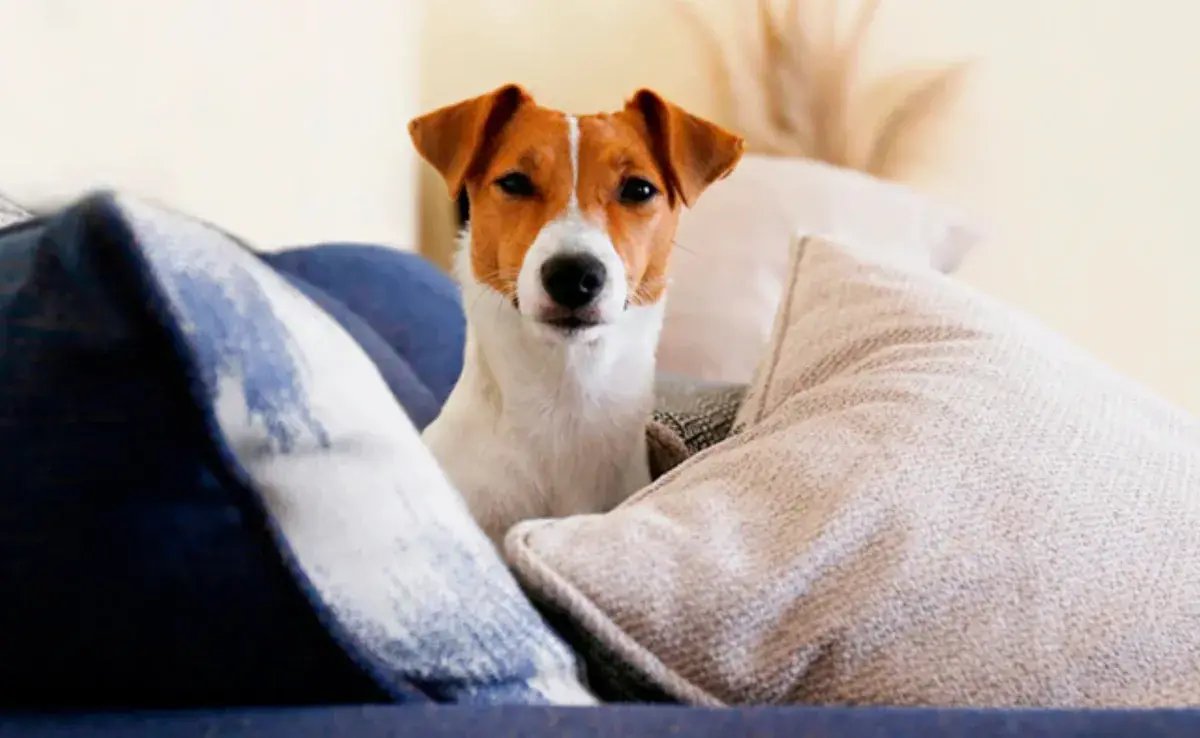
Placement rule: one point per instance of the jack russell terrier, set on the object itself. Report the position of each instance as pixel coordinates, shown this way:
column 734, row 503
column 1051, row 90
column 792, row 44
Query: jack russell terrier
column 563, row 265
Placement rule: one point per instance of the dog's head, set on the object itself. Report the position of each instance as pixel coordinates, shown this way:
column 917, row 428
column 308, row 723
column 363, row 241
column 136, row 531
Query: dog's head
column 572, row 218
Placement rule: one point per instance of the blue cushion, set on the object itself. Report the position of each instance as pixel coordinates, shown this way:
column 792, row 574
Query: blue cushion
column 208, row 490
column 415, row 308
column 129, row 573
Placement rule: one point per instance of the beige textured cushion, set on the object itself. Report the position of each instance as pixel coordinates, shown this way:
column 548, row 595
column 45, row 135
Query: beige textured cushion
column 933, row 500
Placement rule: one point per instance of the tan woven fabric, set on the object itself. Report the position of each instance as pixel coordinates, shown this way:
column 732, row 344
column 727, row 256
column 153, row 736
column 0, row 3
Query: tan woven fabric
column 689, row 416
column 933, row 500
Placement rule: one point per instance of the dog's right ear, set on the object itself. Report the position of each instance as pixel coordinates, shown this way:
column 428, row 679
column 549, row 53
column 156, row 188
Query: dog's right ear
column 454, row 138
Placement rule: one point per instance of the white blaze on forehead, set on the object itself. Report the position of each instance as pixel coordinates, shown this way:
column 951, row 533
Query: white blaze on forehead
column 571, row 233
column 573, row 147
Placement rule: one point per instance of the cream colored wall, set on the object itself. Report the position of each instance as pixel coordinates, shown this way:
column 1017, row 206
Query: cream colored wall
column 282, row 120
column 1077, row 141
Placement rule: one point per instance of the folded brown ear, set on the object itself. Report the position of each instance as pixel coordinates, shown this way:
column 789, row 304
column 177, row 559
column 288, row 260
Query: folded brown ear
column 453, row 138
column 694, row 152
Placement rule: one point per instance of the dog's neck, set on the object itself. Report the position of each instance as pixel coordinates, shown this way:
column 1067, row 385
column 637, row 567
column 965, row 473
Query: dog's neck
column 540, row 428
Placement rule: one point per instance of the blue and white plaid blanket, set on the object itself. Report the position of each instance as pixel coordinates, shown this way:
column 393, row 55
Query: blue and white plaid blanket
column 184, row 432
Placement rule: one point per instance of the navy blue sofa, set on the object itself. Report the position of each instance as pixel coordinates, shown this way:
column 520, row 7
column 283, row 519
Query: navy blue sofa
column 616, row 721
column 124, row 626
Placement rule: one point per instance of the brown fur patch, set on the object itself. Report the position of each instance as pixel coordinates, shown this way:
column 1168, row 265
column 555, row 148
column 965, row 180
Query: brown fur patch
column 503, row 227
column 611, row 149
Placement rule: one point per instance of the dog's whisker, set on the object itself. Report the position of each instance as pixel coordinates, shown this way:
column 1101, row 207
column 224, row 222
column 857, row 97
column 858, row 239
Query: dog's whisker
column 474, row 303
column 644, row 291
column 507, row 278
column 685, row 249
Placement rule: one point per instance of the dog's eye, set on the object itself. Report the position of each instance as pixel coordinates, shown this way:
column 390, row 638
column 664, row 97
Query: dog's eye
column 516, row 184
column 635, row 191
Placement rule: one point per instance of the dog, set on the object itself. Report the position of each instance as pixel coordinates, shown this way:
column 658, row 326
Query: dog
column 563, row 266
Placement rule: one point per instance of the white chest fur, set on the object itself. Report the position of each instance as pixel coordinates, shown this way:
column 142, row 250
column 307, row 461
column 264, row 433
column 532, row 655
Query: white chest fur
column 543, row 428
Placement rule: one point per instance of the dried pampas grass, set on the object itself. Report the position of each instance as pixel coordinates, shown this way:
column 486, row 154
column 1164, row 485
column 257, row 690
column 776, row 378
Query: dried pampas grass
column 805, row 96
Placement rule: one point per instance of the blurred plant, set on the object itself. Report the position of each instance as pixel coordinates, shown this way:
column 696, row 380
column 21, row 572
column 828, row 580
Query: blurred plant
column 805, row 96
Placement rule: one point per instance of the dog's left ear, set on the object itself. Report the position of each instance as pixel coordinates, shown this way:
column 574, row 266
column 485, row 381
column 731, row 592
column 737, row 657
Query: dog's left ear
column 454, row 138
column 693, row 152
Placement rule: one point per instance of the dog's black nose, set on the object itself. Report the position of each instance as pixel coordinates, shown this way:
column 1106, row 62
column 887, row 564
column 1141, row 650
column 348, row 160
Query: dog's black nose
column 573, row 281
